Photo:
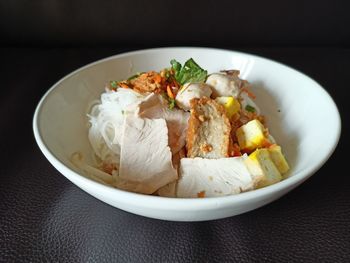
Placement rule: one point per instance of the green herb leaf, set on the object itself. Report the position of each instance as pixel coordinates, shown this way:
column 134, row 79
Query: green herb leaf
column 190, row 72
column 171, row 103
column 113, row 84
column 175, row 65
column 135, row 76
column 167, row 74
column 249, row 108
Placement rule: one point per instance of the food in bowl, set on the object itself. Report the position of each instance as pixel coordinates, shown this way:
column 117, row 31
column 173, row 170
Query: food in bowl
column 60, row 128
column 182, row 132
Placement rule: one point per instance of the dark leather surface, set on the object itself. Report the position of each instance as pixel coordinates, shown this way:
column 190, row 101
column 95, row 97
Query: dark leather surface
column 45, row 218
column 178, row 22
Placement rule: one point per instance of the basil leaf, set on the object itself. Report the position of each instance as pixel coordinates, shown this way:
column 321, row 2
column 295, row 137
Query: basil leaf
column 190, row 72
column 175, row 65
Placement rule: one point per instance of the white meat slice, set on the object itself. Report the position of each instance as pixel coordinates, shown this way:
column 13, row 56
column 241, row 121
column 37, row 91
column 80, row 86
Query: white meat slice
column 155, row 107
column 191, row 91
column 168, row 190
column 224, row 85
column 213, row 177
column 145, row 160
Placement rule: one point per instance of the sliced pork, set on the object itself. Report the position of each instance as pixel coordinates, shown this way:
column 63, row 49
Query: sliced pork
column 145, row 160
column 155, row 107
column 168, row 190
column 213, row 177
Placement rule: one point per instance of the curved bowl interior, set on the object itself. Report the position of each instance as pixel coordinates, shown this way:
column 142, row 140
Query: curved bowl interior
column 299, row 113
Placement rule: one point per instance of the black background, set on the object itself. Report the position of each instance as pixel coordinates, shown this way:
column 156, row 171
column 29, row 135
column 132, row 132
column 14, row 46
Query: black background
column 125, row 23
column 44, row 218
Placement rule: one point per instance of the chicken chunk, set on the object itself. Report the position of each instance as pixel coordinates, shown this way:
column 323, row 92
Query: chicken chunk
column 190, row 91
column 145, row 160
column 207, row 178
column 208, row 134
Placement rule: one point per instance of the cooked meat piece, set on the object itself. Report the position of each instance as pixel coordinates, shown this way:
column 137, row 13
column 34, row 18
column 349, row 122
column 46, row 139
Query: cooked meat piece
column 155, row 107
column 207, row 178
column 178, row 156
column 168, row 190
column 224, row 85
column 208, row 134
column 231, row 72
column 190, row 91
column 145, row 159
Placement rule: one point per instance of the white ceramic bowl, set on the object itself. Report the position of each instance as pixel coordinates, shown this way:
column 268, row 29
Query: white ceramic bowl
column 301, row 115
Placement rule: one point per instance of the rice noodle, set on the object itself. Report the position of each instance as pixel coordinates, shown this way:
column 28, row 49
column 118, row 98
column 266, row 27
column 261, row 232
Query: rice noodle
column 106, row 119
column 96, row 174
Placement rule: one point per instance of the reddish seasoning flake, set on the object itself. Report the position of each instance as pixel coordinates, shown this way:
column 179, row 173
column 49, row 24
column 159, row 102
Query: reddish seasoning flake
column 266, row 143
column 201, row 194
column 236, row 150
column 250, row 94
column 108, row 168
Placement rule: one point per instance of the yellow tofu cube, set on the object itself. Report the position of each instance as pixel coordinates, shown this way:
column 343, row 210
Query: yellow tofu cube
column 262, row 168
column 278, row 158
column 230, row 104
column 251, row 136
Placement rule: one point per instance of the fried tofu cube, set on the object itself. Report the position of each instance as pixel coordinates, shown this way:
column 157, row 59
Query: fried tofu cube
column 278, row 158
column 262, row 168
column 230, row 104
column 251, row 136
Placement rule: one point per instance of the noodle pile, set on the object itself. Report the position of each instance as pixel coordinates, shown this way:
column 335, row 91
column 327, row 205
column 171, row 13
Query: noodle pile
column 106, row 118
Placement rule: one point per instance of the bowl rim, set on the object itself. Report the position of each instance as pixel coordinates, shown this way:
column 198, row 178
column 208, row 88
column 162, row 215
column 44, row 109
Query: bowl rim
column 184, row 203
